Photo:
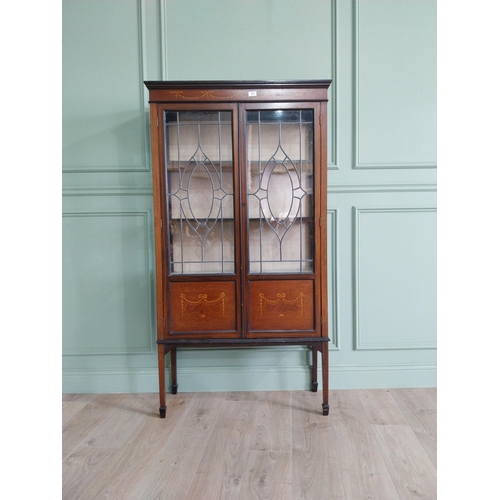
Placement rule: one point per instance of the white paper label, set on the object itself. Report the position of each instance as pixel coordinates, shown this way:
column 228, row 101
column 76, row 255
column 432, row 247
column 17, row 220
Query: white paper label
column 252, row 93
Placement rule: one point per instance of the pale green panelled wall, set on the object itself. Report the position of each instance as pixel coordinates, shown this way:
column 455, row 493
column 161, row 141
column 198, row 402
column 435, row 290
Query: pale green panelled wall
column 381, row 56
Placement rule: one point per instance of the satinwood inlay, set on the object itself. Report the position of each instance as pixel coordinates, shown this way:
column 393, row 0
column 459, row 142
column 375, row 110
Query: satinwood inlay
column 202, row 306
column 283, row 305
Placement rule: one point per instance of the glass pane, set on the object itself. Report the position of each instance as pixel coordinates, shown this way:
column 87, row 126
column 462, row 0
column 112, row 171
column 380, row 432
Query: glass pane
column 199, row 174
column 280, row 191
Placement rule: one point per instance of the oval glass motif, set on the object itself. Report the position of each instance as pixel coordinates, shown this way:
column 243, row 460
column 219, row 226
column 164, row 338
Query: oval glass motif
column 200, row 193
column 280, row 193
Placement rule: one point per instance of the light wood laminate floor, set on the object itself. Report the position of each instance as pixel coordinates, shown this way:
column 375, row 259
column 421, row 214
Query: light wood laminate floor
column 375, row 444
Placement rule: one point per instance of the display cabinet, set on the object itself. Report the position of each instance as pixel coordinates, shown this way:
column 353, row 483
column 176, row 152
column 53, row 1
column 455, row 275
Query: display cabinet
column 239, row 183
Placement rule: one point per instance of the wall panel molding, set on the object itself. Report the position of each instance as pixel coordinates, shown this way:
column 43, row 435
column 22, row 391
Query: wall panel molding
column 333, row 253
column 143, row 44
column 145, row 166
column 360, row 343
column 108, row 191
column 164, row 40
column 358, row 164
column 334, row 89
column 382, row 188
column 148, row 337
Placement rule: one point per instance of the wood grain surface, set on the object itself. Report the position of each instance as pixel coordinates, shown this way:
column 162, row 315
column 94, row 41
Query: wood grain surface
column 375, row 444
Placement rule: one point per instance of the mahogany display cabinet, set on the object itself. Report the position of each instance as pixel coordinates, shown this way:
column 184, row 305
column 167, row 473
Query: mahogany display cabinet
column 239, row 183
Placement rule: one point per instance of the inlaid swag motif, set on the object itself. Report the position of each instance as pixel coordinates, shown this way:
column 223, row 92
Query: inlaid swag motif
column 202, row 306
column 281, row 305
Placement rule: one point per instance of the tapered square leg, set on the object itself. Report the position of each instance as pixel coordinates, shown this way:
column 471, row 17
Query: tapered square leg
column 314, row 386
column 173, row 369
column 161, row 380
column 325, row 374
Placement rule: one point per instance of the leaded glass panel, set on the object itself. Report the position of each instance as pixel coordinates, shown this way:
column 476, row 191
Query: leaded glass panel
column 280, row 191
column 200, row 192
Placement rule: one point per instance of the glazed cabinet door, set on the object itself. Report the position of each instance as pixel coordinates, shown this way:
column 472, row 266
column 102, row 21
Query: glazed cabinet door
column 200, row 202
column 282, row 237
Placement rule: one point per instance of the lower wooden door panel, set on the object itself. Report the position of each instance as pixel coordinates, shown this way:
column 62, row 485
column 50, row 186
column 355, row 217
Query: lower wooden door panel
column 202, row 306
column 281, row 305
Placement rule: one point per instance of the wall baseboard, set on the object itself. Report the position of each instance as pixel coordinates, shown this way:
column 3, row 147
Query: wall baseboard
column 259, row 378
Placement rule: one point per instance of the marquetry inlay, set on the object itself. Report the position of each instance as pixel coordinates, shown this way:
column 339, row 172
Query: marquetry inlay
column 191, row 95
column 202, row 306
column 281, row 305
